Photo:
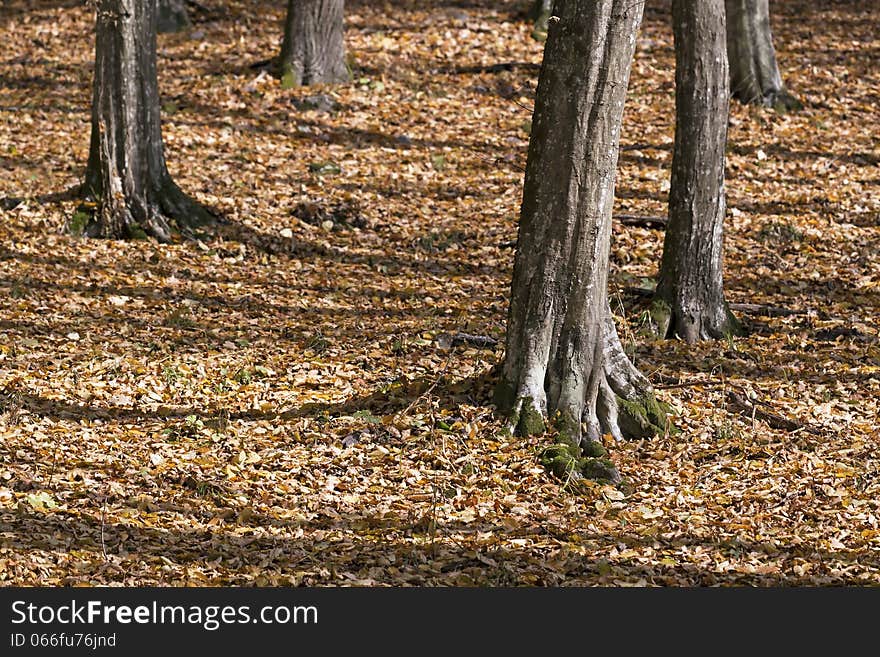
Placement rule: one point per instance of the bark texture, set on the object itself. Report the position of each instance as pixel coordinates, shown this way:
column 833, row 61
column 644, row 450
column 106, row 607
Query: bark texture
column 541, row 11
column 126, row 173
column 754, row 72
column 690, row 295
column 313, row 49
column 563, row 359
column 172, row 16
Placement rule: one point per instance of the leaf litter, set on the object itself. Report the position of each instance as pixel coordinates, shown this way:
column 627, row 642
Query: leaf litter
column 281, row 402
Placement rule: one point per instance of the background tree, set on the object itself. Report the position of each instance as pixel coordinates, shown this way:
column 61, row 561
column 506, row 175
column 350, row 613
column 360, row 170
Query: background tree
column 564, row 360
column 754, row 72
column 541, row 10
column 126, row 172
column 313, row 49
column 690, row 294
column 172, row 16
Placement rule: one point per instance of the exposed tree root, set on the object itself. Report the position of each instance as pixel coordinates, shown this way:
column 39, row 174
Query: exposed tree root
column 160, row 214
column 708, row 323
column 621, row 403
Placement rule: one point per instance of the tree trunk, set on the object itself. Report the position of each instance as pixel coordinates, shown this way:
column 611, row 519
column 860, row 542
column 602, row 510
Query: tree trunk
column 313, row 50
column 754, row 73
column 690, row 295
column 173, row 16
column 541, row 11
column 126, row 172
column 563, row 358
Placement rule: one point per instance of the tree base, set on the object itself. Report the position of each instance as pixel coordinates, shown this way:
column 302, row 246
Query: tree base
column 291, row 76
column 577, row 452
column 784, row 102
column 161, row 216
column 669, row 322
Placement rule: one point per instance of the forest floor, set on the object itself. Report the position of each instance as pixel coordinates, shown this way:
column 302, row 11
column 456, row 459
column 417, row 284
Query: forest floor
column 278, row 403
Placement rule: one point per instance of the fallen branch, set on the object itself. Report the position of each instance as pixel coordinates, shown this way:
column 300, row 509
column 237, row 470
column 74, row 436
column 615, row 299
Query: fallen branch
column 646, row 292
column 747, row 308
column 643, row 222
column 687, row 384
column 767, row 311
column 775, row 421
column 450, row 340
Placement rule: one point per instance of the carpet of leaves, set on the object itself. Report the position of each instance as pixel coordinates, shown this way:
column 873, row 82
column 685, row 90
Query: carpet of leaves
column 275, row 403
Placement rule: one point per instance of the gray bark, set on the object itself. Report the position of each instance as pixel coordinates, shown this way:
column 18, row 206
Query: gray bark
column 172, row 16
column 563, row 357
column 690, row 295
column 541, row 11
column 126, row 172
column 313, row 49
column 754, row 72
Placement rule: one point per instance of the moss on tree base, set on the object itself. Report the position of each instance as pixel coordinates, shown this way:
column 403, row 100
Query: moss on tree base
column 644, row 418
column 568, row 463
column 530, row 421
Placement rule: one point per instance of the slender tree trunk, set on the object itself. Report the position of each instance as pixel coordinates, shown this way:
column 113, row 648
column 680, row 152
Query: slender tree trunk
column 690, row 295
column 313, row 50
column 563, row 359
column 126, row 172
column 541, row 11
column 754, row 73
column 173, row 16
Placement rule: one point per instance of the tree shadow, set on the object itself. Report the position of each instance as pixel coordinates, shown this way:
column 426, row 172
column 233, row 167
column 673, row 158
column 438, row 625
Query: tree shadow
column 446, row 392
column 334, row 541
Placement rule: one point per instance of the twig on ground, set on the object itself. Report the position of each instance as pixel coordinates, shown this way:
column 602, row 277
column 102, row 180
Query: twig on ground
column 451, row 340
column 751, row 410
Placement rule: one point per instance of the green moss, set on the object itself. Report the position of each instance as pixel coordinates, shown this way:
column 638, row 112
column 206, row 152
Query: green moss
column 567, row 462
column 135, row 232
column 79, row 222
column 289, row 79
column 504, row 396
column 569, row 432
column 594, row 449
column 530, row 421
column 644, row 418
column 560, row 461
column 600, row 469
column 542, row 23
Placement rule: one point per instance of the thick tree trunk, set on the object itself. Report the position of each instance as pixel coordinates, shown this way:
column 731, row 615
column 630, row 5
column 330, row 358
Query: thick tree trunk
column 313, row 50
column 126, row 172
column 754, row 73
column 172, row 17
column 563, row 356
column 690, row 296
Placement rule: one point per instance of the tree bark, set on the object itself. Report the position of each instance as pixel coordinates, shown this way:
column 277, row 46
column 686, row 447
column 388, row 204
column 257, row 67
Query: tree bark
column 541, row 11
column 690, row 295
column 754, row 72
column 172, row 16
column 564, row 360
column 126, row 172
column 313, row 49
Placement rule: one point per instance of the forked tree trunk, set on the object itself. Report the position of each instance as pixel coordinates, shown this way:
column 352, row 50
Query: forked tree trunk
column 126, row 172
column 564, row 361
column 754, row 72
column 172, row 16
column 313, row 49
column 690, row 294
